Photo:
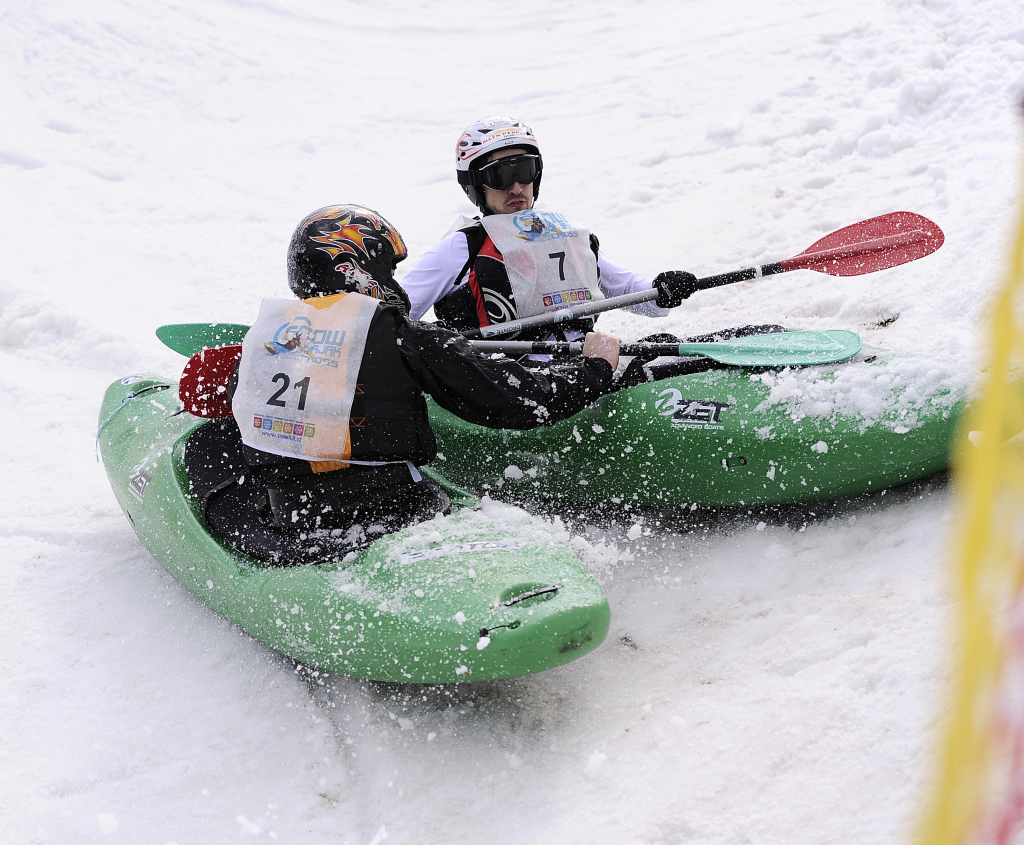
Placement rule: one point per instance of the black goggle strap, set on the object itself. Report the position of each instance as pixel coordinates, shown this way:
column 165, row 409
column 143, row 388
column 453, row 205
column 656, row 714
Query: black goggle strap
column 504, row 172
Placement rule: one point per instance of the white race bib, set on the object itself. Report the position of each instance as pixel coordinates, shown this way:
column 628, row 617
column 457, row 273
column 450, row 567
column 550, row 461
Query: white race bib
column 298, row 373
column 548, row 260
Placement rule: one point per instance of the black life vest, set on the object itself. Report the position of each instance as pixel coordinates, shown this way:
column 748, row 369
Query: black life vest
column 483, row 294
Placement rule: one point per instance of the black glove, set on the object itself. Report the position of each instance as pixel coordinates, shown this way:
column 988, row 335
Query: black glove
column 673, row 287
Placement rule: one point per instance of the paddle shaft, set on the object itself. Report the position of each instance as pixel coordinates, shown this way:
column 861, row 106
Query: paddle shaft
column 555, row 347
column 806, row 260
column 771, row 349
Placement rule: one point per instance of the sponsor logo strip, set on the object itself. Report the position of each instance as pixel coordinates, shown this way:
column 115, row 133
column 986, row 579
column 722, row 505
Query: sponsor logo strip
column 286, row 429
column 565, row 297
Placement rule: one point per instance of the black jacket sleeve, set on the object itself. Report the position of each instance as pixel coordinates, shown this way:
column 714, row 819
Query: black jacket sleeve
column 492, row 390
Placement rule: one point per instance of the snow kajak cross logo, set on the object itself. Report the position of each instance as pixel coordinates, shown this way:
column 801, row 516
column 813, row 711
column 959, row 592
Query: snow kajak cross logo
column 535, row 225
column 689, row 413
column 320, row 346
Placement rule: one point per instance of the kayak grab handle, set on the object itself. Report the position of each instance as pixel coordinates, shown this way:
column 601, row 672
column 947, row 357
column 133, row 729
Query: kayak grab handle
column 540, row 591
column 484, row 632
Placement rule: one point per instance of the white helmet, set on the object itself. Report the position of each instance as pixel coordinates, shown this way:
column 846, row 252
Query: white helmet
column 484, row 137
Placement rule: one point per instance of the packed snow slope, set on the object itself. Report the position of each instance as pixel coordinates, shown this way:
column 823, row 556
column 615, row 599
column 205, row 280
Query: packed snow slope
column 770, row 677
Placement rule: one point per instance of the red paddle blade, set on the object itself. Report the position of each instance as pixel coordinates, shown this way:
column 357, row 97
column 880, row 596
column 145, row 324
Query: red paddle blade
column 203, row 388
column 875, row 244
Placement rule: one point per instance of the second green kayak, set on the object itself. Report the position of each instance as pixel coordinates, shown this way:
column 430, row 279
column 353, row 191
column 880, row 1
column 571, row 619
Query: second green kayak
column 727, row 437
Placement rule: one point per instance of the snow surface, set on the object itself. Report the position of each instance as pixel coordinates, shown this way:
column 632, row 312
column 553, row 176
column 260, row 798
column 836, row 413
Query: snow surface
column 771, row 677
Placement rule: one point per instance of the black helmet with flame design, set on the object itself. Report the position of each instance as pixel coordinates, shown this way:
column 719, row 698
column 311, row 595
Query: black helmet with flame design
column 346, row 248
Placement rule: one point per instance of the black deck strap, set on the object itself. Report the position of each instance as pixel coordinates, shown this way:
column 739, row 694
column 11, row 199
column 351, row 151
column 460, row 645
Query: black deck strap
column 486, row 632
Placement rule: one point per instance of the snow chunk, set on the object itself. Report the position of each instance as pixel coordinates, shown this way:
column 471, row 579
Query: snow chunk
column 601, row 557
column 513, row 472
column 821, row 447
column 482, row 643
column 896, row 393
column 247, row 826
column 460, row 617
column 595, row 762
column 108, row 823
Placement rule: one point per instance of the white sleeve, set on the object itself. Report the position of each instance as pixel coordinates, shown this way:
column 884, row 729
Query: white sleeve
column 433, row 278
column 617, row 280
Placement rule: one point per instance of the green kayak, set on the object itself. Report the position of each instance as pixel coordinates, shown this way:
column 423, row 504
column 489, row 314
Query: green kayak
column 727, row 436
column 487, row 592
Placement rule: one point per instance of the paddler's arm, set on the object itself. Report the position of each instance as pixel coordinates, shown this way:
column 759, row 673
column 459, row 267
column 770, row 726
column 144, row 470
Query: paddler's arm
column 434, row 276
column 496, row 391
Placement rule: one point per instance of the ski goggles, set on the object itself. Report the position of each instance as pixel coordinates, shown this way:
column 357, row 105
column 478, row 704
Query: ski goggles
column 503, row 173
